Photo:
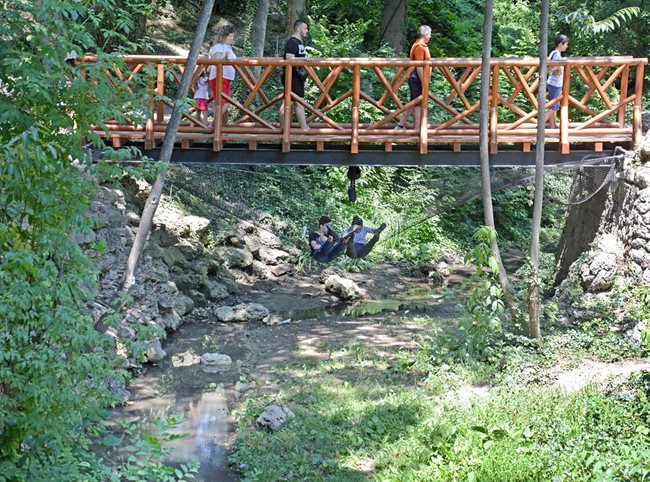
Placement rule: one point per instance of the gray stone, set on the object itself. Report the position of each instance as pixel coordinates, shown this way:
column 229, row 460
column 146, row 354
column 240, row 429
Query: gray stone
column 217, row 291
column 132, row 218
column 172, row 256
column 252, row 243
column 170, row 321
column 330, row 271
column 281, row 269
column 215, row 359
column 242, row 312
column 236, row 239
column 190, row 249
column 154, row 352
column 193, row 226
column 196, row 296
column 273, row 256
column 236, row 257
column 267, row 238
column 163, row 238
column 274, row 417
column 185, row 359
column 261, row 270
column 343, row 288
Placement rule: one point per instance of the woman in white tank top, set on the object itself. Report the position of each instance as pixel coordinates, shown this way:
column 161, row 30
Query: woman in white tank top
column 223, row 50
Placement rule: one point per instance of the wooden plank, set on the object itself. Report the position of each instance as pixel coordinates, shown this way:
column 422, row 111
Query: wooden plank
column 356, row 89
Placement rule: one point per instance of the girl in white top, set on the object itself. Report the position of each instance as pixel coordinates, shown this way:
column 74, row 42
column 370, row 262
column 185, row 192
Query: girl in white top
column 555, row 79
column 223, row 50
column 201, row 97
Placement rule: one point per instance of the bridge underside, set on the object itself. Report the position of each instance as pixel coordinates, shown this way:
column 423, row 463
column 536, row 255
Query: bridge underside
column 401, row 156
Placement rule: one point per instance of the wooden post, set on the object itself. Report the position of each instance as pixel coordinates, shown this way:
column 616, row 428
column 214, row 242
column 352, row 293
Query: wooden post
column 625, row 76
column 160, row 91
column 564, row 111
column 424, row 114
column 637, row 131
column 218, row 109
column 356, row 89
column 494, row 104
column 286, row 124
column 148, row 135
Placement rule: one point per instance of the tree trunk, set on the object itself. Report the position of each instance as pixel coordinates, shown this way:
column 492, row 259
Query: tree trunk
column 295, row 10
column 534, row 330
column 258, row 30
column 582, row 222
column 392, row 24
column 166, row 151
column 486, row 187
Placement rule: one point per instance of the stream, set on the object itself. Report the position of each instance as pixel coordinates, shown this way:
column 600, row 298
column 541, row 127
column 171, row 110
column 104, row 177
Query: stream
column 203, row 399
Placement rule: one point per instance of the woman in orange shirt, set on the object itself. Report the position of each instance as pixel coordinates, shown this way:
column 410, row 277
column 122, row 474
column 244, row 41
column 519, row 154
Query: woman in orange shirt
column 419, row 51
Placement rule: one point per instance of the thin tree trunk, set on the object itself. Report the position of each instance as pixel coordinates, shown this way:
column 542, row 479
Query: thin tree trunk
column 295, row 10
column 258, row 30
column 392, row 24
column 486, row 187
column 166, row 151
column 534, row 330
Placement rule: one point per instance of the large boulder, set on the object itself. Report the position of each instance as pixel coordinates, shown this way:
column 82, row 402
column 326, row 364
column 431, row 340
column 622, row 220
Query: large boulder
column 272, row 256
column 601, row 266
column 154, row 352
column 236, row 257
column 242, row 312
column 343, row 288
column 267, row 238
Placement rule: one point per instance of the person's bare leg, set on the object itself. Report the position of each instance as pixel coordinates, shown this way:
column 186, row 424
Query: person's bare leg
column 224, row 114
column 300, row 114
column 417, row 115
column 405, row 117
column 551, row 118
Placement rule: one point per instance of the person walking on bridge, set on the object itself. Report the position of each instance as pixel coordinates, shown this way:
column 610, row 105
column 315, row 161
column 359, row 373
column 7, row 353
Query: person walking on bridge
column 294, row 48
column 419, row 51
column 555, row 79
column 223, row 50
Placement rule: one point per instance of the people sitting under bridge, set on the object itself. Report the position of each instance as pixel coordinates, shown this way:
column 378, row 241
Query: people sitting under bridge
column 326, row 244
column 358, row 248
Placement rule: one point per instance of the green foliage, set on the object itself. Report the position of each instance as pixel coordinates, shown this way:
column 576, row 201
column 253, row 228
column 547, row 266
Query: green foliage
column 55, row 369
column 139, row 457
column 356, row 418
column 585, row 24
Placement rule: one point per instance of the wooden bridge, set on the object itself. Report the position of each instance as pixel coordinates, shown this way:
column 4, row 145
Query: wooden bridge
column 353, row 105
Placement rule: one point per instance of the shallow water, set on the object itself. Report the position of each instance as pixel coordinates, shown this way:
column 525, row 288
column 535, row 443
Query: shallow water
column 200, row 398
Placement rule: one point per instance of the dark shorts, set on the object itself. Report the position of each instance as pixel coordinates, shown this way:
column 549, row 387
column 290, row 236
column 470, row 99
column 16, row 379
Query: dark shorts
column 416, row 87
column 553, row 93
column 297, row 85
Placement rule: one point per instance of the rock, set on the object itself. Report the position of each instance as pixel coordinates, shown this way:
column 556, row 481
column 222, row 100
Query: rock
column 273, row 256
column 197, row 296
column 343, row 288
column 330, row 271
column 261, row 270
column 172, row 256
column 86, row 237
column 281, row 269
column 192, row 281
column 132, row 218
column 217, row 291
column 118, row 390
column 170, row 321
column 162, row 237
column 235, row 239
column 193, row 226
column 185, row 359
column 242, row 312
column 236, row 257
column 190, row 249
column 252, row 243
column 154, row 352
column 273, row 417
column 267, row 238
column 216, row 359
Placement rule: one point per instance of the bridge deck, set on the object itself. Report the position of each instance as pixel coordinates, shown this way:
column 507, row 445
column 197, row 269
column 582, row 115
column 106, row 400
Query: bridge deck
column 353, row 104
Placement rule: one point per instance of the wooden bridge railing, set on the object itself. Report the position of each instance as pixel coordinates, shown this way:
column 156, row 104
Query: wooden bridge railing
column 358, row 100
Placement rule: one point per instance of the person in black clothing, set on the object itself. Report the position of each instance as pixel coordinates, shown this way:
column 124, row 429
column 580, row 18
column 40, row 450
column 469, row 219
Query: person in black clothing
column 325, row 243
column 294, row 48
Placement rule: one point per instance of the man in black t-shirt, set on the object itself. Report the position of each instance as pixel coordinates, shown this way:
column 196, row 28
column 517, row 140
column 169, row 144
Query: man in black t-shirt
column 325, row 243
column 294, row 48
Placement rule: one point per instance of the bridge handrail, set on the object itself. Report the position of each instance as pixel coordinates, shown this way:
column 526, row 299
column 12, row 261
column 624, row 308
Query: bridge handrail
column 512, row 105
